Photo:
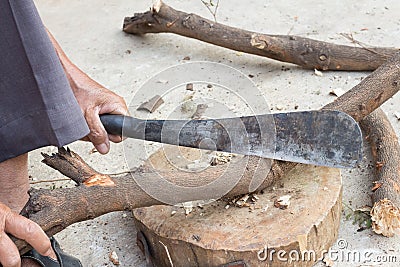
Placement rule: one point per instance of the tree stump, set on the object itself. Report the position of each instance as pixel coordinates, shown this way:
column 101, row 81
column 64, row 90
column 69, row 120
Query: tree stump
column 262, row 233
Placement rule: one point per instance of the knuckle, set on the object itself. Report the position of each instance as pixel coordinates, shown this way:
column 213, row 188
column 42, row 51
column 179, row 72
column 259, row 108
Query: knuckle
column 96, row 135
column 30, row 229
column 46, row 247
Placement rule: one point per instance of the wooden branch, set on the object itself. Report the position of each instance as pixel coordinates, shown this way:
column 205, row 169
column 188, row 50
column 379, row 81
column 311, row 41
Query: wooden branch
column 386, row 153
column 56, row 209
column 304, row 52
column 371, row 92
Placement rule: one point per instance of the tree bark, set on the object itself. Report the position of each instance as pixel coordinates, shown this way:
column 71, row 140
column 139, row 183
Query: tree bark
column 385, row 147
column 304, row 52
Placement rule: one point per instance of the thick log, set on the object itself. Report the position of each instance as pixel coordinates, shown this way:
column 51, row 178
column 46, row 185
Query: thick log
column 217, row 235
column 304, row 52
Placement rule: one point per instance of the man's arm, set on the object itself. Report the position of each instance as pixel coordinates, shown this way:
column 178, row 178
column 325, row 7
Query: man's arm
column 94, row 99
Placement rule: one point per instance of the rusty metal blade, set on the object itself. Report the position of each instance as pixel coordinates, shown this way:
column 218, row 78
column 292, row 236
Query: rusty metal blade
column 326, row 138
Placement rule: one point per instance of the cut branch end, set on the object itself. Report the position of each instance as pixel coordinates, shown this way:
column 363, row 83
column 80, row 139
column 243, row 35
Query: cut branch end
column 385, row 218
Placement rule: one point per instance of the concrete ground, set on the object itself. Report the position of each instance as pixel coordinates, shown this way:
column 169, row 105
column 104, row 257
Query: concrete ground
column 90, row 33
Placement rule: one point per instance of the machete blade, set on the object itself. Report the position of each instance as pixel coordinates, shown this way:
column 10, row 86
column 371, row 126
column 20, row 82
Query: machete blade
column 325, row 138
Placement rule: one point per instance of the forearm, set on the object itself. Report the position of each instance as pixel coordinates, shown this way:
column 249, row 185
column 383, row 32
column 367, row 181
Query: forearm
column 76, row 77
column 94, row 99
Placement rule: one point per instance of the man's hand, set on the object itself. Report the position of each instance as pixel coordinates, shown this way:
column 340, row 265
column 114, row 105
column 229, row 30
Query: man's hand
column 22, row 228
column 94, row 99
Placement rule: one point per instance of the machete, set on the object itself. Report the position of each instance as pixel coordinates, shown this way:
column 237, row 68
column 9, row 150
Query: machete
column 325, row 138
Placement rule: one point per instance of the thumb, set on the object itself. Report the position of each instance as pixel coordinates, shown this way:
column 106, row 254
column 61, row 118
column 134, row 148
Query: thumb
column 98, row 135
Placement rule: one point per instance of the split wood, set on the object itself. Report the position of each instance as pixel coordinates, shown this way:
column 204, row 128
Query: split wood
column 56, row 209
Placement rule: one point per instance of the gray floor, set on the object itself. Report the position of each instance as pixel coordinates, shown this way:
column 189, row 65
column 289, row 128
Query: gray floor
column 90, row 32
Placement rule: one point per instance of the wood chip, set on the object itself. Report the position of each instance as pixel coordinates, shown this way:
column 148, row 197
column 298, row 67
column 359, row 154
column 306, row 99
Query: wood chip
column 379, row 165
column 376, row 186
column 328, row 261
column 189, row 86
column 318, row 73
column 114, row 258
column 282, row 202
column 93, row 150
column 221, row 158
column 152, row 104
column 241, row 202
column 188, row 207
column 337, row 92
column 186, row 58
column 200, row 110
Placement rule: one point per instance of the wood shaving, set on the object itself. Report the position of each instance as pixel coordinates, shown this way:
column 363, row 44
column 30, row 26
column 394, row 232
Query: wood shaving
column 220, row 158
column 157, row 6
column 328, row 261
column 318, row 73
column 337, row 92
column 152, row 104
column 188, row 207
column 376, row 186
column 114, row 258
column 241, row 202
column 282, row 202
column 379, row 165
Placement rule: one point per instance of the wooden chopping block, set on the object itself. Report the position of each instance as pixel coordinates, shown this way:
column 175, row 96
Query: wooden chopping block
column 264, row 233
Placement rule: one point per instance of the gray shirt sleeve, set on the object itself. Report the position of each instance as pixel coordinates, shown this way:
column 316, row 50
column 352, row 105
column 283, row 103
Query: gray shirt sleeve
column 37, row 106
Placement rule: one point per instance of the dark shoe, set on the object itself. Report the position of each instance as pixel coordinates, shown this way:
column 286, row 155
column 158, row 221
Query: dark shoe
column 63, row 260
